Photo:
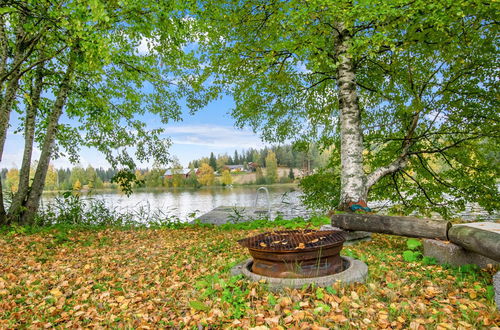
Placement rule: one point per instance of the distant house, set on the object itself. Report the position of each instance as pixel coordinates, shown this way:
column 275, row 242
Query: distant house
column 185, row 172
column 234, row 168
column 252, row 166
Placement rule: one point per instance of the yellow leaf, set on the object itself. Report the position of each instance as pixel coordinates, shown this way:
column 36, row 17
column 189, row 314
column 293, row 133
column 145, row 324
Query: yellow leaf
column 285, row 301
column 56, row 292
column 301, row 246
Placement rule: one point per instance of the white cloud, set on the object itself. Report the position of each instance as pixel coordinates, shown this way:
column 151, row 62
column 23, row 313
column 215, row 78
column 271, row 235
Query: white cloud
column 146, row 46
column 214, row 136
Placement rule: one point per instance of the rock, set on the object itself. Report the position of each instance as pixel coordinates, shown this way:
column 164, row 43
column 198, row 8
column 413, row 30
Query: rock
column 496, row 287
column 448, row 253
column 352, row 237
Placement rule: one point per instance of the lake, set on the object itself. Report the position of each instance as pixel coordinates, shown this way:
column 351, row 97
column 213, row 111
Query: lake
column 187, row 203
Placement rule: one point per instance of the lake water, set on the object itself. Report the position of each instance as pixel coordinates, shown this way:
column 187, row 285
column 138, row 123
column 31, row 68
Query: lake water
column 186, row 203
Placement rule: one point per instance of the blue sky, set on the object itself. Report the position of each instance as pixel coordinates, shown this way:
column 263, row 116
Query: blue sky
column 209, row 130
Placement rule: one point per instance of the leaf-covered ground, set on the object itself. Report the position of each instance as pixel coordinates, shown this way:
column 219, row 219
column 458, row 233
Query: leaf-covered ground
column 180, row 278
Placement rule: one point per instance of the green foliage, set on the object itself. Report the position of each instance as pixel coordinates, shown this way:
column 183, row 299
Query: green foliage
column 271, row 168
column 105, row 66
column 271, row 299
column 226, row 178
column 429, row 260
column 199, row 306
column 316, row 222
column 232, row 291
column 71, row 209
column 413, row 243
column 206, row 175
column 321, row 189
column 426, row 65
column 412, row 254
column 320, row 293
column 259, row 177
column 126, row 179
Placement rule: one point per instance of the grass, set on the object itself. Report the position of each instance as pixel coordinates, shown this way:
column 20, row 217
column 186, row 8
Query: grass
column 65, row 276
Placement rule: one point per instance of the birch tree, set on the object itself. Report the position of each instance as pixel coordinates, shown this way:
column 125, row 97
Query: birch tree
column 83, row 74
column 393, row 85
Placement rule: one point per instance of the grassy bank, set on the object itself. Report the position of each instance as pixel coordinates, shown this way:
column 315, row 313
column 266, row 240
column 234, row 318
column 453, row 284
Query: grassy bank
column 179, row 277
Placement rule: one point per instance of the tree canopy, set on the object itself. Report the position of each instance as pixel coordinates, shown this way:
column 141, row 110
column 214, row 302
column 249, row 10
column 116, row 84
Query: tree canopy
column 406, row 91
column 85, row 74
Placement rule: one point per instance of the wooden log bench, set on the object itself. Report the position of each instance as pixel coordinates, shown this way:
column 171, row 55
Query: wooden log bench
column 482, row 238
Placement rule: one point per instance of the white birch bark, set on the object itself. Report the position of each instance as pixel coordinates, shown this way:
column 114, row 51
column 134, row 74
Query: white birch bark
column 29, row 134
column 353, row 178
column 33, row 200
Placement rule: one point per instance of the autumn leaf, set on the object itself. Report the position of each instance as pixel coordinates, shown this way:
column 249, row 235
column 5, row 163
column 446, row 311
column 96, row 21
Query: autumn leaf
column 56, row 293
column 300, row 246
column 199, row 306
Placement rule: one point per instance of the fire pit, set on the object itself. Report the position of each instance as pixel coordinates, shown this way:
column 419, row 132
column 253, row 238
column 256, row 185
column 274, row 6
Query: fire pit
column 296, row 253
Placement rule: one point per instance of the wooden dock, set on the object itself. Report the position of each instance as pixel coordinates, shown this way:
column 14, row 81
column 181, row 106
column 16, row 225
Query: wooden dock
column 232, row 214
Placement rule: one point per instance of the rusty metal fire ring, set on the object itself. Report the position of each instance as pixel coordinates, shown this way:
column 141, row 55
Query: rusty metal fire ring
column 296, row 253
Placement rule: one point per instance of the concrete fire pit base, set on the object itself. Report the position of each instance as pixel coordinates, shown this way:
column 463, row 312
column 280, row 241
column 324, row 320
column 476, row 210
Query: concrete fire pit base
column 356, row 272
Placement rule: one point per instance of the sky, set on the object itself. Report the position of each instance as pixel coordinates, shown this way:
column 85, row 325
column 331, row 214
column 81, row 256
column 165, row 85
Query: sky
column 209, row 130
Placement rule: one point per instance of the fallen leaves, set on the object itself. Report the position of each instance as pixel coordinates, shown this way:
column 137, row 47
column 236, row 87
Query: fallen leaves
column 300, row 246
column 148, row 279
column 56, row 293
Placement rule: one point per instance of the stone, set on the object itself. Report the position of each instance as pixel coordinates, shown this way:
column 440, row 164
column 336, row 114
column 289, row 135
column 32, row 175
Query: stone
column 446, row 252
column 356, row 272
column 485, row 225
column 496, row 287
column 352, row 237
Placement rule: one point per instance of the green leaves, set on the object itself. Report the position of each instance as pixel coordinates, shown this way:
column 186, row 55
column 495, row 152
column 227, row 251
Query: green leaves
column 199, row 306
column 412, row 255
column 413, row 243
column 429, row 61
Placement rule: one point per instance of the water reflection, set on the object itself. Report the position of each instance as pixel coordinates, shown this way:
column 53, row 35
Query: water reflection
column 184, row 203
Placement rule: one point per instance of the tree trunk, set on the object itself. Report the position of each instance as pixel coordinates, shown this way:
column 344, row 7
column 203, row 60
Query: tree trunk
column 403, row 226
column 5, row 110
column 353, row 178
column 33, row 200
column 4, row 47
column 484, row 242
column 29, row 133
column 7, row 100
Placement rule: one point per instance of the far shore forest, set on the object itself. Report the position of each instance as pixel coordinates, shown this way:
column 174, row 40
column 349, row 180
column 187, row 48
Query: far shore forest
column 278, row 164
